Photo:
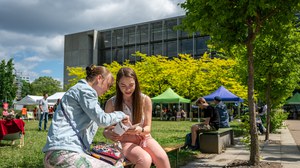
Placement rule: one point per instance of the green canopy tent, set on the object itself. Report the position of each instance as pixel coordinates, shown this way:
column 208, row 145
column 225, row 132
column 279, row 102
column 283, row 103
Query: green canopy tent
column 293, row 104
column 294, row 100
column 169, row 96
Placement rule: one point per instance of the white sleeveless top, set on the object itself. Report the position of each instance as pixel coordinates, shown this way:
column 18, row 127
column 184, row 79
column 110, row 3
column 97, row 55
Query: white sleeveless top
column 128, row 111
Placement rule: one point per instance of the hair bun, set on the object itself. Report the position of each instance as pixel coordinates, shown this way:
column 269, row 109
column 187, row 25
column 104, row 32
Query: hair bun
column 89, row 69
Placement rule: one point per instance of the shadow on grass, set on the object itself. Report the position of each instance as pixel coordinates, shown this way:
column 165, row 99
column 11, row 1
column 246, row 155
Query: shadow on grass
column 184, row 157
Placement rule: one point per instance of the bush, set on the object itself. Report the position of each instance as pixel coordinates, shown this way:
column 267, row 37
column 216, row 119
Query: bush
column 246, row 129
column 277, row 118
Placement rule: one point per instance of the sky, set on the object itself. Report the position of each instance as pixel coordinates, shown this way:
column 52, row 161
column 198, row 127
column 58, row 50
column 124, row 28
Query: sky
column 32, row 31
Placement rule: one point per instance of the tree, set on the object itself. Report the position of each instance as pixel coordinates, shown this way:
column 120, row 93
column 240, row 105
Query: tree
column 277, row 64
column 26, row 88
column 189, row 77
column 154, row 73
column 78, row 73
column 239, row 23
column 7, row 87
column 45, row 84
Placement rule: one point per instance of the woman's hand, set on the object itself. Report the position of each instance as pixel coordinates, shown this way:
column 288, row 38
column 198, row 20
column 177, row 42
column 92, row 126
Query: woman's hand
column 110, row 134
column 126, row 120
column 136, row 129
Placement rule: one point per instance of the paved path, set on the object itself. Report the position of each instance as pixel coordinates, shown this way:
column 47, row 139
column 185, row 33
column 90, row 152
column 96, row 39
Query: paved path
column 294, row 127
column 281, row 148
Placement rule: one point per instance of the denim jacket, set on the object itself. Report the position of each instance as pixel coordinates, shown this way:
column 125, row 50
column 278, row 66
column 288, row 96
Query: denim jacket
column 81, row 104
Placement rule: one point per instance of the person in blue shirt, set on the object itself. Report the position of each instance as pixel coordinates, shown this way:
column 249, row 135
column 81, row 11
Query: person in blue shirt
column 221, row 108
column 80, row 103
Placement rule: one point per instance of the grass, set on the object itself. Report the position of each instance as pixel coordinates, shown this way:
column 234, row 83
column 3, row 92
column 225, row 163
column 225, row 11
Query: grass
column 167, row 133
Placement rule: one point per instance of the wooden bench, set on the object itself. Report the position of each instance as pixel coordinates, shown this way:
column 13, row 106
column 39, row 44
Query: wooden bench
column 14, row 136
column 216, row 141
column 128, row 164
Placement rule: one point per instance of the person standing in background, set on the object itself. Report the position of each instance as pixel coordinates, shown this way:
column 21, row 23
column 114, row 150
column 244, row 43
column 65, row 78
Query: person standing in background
column 24, row 112
column 5, row 112
column 55, row 105
column 43, row 105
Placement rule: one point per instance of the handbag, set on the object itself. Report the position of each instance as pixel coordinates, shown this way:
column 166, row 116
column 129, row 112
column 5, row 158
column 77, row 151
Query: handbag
column 109, row 153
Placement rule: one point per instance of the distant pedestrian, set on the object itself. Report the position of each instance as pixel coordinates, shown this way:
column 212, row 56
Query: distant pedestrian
column 43, row 105
column 24, row 112
column 56, row 104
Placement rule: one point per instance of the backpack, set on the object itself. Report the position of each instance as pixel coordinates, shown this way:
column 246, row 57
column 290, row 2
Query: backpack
column 188, row 141
column 224, row 116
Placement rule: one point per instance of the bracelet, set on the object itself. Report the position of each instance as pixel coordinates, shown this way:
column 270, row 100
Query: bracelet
column 142, row 129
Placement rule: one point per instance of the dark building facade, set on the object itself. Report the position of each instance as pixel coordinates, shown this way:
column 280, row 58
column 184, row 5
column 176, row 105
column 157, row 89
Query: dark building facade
column 159, row 37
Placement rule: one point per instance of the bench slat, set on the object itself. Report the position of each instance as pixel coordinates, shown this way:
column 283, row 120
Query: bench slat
column 221, row 130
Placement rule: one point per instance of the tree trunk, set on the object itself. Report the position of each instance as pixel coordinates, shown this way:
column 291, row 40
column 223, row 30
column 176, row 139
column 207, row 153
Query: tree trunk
column 268, row 101
column 254, row 152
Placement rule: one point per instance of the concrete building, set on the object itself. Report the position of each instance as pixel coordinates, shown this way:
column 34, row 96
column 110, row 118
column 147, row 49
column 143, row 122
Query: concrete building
column 157, row 37
column 19, row 77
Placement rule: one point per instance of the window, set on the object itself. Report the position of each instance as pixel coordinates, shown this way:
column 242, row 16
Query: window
column 142, row 34
column 117, row 37
column 144, row 49
column 201, row 45
column 156, row 49
column 186, row 46
column 156, row 31
column 117, row 55
column 171, row 48
column 170, row 32
column 128, row 53
column 129, row 35
column 106, row 57
column 107, row 39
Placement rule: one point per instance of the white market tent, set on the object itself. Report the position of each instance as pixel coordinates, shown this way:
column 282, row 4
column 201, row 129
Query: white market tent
column 30, row 100
column 53, row 98
column 27, row 100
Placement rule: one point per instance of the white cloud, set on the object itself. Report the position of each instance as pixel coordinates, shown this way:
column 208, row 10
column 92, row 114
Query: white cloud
column 32, row 31
column 34, row 59
column 13, row 42
column 47, row 71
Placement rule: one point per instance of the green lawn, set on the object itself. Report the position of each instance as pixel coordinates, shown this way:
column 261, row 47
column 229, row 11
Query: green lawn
column 167, row 133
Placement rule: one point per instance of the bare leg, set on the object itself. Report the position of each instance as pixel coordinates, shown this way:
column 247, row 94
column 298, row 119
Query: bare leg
column 194, row 130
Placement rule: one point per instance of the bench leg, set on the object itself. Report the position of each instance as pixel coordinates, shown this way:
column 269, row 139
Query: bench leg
column 176, row 161
column 12, row 142
column 21, row 141
column 232, row 137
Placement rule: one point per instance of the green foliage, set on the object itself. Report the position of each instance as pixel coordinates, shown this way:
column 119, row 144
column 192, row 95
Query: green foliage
column 277, row 62
column 229, row 22
column 189, row 77
column 7, row 86
column 240, row 23
column 45, row 84
column 26, row 89
column 277, row 118
column 245, row 126
column 77, row 73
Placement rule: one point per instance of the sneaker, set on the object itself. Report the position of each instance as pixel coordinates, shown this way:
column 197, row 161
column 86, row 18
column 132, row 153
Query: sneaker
column 193, row 148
